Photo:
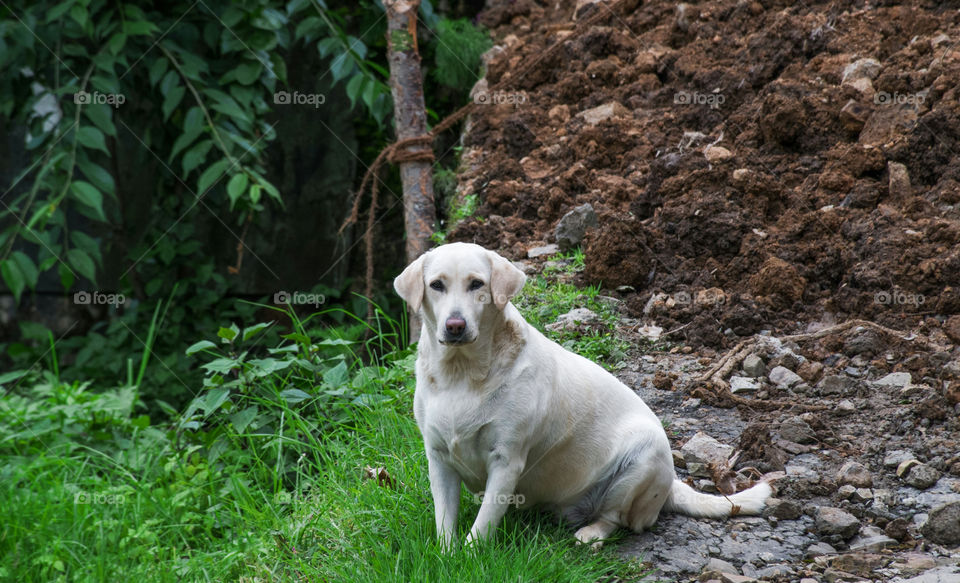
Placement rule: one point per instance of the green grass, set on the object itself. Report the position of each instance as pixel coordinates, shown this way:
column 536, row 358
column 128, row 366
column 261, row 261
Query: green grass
column 261, row 478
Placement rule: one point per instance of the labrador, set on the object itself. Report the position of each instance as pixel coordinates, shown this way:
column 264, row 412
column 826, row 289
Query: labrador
column 522, row 421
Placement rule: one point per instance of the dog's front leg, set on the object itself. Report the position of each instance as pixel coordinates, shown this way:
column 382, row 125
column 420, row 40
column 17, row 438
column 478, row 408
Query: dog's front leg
column 445, row 487
column 500, row 494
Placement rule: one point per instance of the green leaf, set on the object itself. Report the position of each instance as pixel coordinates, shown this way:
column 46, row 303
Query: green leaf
column 214, row 399
column 247, row 73
column 99, row 176
column 67, row 277
column 169, row 81
column 27, row 268
column 336, row 376
column 342, row 66
column 251, row 331
column 172, row 100
column 193, row 122
column 198, row 346
column 79, row 13
column 243, row 419
column 102, row 117
column 91, row 137
column 195, row 156
column 88, row 195
column 59, row 10
column 12, row 376
column 80, row 261
column 157, row 69
column 139, row 27
column 211, row 175
column 13, row 277
column 116, row 42
column 228, row 334
column 84, row 241
column 354, row 88
column 292, row 396
column 236, row 187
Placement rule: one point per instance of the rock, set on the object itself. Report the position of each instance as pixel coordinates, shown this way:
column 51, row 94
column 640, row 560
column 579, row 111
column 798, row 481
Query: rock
column 720, row 566
column 862, row 341
column 743, row 384
column 810, row 371
column 535, row 252
column 819, row 550
column 572, row 227
column 904, row 467
column 872, row 544
column 862, row 86
column 862, row 495
column 572, row 319
column 861, row 69
column 603, row 112
column 783, row 377
column 782, row 509
column 678, row 461
column 797, row 430
column 895, row 457
column 952, row 328
column 836, row 385
column 845, row 407
column 945, row 574
column 943, row 524
column 897, row 528
column 859, row 563
column 717, row 154
column 753, row 366
column 915, row 563
column 921, row 476
column 775, row 571
column 854, row 116
column 703, row 449
column 897, row 380
column 835, row 522
column 887, row 122
column 899, row 181
column 855, row 474
column 846, row 491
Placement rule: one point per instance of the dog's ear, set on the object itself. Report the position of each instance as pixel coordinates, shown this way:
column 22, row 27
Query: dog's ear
column 409, row 284
column 506, row 280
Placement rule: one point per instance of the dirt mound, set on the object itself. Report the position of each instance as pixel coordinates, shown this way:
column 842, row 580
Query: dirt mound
column 804, row 158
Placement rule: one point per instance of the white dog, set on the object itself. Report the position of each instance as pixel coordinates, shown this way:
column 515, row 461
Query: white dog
column 518, row 418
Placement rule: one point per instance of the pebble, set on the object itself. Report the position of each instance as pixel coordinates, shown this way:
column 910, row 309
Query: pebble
column 572, row 319
column 783, row 377
column 855, row 474
column 895, row 379
column 720, row 566
column 834, row 521
column 820, row 549
column 797, row 430
column 573, row 226
column 921, row 476
column 603, row 112
column 703, row 449
column 535, row 252
column 836, row 385
column 753, row 366
column 743, row 384
column 895, row 457
column 943, row 524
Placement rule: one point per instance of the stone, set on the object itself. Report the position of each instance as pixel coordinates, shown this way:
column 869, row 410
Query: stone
column 572, row 319
column 535, row 252
column 859, row 563
column 846, row 491
column 855, row 474
column 836, row 385
column 887, row 122
column 853, row 115
column 899, row 181
column 603, row 112
column 720, row 566
column 782, row 509
column 835, row 522
column 904, row 467
column 845, row 407
column 862, row 495
column 862, row 341
column 895, row 457
column 944, row 574
column 797, row 430
column 743, row 384
column 943, row 524
column 820, row 549
column 921, row 476
column 866, row 68
column 915, row 563
column 678, row 461
column 703, row 449
column 952, row 328
column 573, row 226
column 775, row 571
column 898, row 528
column 897, row 380
column 753, row 366
column 717, row 154
column 783, row 377
column 810, row 371
column 872, row 544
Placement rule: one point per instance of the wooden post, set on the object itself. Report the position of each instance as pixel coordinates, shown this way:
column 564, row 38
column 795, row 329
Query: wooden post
column 410, row 121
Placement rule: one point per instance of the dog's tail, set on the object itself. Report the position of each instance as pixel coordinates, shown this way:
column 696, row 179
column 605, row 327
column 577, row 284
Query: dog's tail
column 685, row 500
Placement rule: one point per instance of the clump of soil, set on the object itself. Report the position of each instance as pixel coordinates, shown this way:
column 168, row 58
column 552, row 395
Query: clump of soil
column 746, row 146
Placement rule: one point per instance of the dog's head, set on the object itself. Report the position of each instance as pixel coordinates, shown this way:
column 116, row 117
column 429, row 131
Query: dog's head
column 457, row 288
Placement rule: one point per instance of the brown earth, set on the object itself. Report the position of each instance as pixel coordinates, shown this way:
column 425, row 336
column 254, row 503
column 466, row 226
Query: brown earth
column 733, row 155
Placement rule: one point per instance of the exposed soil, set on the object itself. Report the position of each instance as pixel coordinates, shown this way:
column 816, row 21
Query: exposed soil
column 733, row 157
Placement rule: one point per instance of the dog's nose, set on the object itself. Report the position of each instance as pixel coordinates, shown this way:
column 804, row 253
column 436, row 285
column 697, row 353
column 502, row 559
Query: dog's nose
column 455, row 326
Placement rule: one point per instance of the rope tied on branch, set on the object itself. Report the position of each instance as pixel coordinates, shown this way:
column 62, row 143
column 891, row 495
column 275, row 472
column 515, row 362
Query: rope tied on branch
column 420, row 148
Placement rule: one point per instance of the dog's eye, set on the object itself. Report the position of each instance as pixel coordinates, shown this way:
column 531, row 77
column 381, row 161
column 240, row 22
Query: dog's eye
column 437, row 285
column 475, row 285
